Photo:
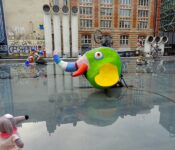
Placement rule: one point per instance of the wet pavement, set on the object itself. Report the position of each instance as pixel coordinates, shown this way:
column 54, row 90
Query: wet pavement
column 68, row 114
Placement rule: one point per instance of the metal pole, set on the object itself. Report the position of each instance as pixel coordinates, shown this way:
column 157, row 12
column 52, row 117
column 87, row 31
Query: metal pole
column 155, row 17
column 172, row 41
column 48, row 30
column 70, row 29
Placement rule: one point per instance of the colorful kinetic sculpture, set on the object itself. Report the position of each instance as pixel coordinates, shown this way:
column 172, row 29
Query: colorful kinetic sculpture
column 101, row 66
column 35, row 56
column 8, row 131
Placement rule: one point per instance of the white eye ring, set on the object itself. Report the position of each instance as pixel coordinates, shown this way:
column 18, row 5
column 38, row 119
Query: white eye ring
column 98, row 55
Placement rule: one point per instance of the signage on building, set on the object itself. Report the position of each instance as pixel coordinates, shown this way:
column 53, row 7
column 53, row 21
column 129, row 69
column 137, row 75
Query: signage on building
column 3, row 37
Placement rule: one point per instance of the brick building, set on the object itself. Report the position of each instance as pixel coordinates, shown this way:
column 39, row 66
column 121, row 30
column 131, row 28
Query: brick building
column 124, row 20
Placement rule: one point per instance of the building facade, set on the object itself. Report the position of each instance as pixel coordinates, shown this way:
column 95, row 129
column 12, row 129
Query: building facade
column 125, row 21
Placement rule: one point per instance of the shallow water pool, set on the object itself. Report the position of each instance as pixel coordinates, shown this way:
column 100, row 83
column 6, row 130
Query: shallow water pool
column 68, row 114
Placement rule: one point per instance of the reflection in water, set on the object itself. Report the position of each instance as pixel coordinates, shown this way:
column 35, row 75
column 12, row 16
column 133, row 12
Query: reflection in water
column 152, row 66
column 58, row 99
column 156, row 67
column 32, row 71
column 167, row 116
column 6, row 95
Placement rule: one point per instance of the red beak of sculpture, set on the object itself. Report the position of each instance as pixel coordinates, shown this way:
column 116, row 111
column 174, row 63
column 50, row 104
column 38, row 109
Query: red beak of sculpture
column 81, row 70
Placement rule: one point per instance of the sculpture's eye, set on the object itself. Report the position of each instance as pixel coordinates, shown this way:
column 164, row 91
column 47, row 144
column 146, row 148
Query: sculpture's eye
column 98, row 55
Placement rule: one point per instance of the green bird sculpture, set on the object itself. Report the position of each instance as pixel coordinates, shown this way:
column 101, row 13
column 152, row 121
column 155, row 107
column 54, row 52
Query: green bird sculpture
column 101, row 66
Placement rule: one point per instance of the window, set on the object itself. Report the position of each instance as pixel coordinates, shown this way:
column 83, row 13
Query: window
column 143, row 13
column 106, row 1
column 85, row 10
column 141, row 41
column 106, row 11
column 125, row 12
column 85, row 43
column 86, row 39
column 124, row 39
column 85, row 23
column 143, row 2
column 124, row 24
column 85, row 1
column 125, row 2
column 142, row 24
column 105, row 23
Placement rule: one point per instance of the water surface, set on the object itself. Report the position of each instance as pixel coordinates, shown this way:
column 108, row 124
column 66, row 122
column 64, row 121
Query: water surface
column 68, row 114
